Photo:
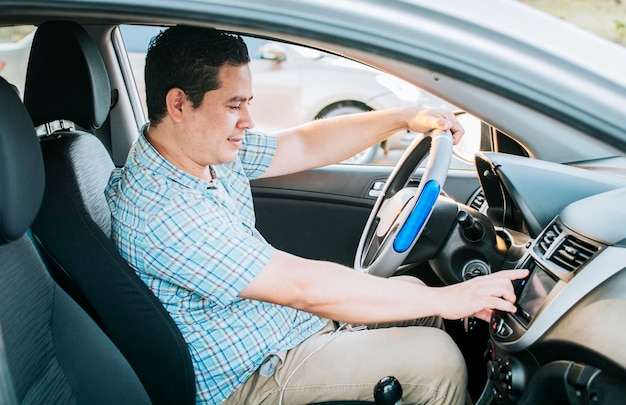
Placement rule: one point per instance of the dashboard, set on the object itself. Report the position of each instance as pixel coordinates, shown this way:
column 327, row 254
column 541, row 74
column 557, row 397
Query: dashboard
column 565, row 342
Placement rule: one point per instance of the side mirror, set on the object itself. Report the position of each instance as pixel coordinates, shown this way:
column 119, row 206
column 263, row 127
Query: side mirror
column 471, row 141
column 273, row 52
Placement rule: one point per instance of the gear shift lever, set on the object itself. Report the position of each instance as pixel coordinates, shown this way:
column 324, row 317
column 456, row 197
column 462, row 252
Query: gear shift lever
column 388, row 391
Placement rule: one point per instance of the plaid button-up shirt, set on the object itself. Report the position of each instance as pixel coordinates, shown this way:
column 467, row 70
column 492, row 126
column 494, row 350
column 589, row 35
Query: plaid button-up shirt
column 195, row 245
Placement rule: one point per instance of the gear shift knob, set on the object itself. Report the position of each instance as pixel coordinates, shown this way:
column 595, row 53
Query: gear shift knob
column 388, row 391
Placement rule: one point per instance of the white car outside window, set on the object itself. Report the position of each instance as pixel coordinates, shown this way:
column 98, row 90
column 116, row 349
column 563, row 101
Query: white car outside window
column 294, row 84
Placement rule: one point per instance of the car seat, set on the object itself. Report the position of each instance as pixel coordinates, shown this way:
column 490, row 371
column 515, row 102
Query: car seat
column 67, row 80
column 55, row 353
column 7, row 396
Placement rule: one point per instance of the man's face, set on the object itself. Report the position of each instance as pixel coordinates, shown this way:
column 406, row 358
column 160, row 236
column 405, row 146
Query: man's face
column 212, row 133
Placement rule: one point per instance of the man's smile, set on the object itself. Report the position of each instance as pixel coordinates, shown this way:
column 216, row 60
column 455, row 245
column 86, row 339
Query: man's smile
column 236, row 140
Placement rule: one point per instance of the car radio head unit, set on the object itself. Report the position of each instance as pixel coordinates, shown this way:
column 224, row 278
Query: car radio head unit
column 533, row 291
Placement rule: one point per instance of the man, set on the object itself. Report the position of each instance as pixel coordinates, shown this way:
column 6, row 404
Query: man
column 255, row 318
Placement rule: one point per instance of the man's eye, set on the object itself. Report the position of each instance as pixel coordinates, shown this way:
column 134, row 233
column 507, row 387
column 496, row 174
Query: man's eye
column 234, row 107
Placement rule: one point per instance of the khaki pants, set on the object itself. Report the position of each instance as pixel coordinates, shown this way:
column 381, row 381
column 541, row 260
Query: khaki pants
column 346, row 364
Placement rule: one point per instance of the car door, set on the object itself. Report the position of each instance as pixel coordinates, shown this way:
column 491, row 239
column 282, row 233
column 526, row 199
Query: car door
column 321, row 213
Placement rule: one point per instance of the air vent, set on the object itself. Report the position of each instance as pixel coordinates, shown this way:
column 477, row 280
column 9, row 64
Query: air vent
column 572, row 253
column 478, row 200
column 548, row 238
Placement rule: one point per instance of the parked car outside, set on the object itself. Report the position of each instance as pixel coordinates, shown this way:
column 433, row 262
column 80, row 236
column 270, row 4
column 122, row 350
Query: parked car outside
column 14, row 55
column 292, row 85
column 295, row 84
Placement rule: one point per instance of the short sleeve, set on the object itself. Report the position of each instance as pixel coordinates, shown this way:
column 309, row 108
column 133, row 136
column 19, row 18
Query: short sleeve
column 256, row 153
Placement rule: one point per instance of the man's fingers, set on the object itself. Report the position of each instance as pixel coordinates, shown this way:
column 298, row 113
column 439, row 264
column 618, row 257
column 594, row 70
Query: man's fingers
column 507, row 292
column 502, row 305
column 514, row 274
column 499, row 286
column 444, row 124
column 485, row 315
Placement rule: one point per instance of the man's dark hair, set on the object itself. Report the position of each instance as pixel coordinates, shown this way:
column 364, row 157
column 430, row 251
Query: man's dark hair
column 188, row 58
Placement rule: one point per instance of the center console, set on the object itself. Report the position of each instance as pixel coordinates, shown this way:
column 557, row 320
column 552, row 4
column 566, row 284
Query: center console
column 566, row 334
column 555, row 283
column 532, row 294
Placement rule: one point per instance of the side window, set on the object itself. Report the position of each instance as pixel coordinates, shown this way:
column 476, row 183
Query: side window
column 293, row 84
column 15, row 42
column 136, row 40
column 255, row 46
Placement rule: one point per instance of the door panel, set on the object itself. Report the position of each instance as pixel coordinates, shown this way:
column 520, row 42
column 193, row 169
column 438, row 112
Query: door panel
column 320, row 214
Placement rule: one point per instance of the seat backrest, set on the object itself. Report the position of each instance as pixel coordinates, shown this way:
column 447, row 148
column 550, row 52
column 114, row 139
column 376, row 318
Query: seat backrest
column 73, row 225
column 54, row 351
column 7, row 396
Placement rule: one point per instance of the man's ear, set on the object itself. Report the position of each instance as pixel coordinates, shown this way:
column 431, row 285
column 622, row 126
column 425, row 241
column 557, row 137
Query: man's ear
column 174, row 100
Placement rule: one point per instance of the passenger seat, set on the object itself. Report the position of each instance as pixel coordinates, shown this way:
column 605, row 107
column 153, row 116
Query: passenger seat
column 55, row 353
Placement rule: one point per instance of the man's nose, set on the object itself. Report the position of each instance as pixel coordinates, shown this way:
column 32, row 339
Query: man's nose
column 246, row 121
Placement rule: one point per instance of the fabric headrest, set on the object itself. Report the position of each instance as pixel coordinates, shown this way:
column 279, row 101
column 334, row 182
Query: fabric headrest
column 22, row 178
column 66, row 77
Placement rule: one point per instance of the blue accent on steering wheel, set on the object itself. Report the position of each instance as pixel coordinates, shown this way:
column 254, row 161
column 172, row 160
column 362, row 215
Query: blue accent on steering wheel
column 417, row 218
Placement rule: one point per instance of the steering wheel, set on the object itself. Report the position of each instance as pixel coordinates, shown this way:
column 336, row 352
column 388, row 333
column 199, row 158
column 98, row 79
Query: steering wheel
column 401, row 213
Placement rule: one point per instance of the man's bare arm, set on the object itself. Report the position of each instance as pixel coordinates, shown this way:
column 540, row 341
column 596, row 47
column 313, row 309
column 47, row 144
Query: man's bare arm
column 336, row 292
column 323, row 142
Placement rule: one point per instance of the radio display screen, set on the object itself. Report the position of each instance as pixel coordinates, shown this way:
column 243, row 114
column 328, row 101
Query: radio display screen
column 534, row 291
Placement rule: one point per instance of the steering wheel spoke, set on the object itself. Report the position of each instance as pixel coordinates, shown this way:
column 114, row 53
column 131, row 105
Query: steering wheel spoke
column 401, row 213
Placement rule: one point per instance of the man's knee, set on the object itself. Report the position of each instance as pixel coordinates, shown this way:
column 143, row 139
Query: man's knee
column 439, row 353
column 433, row 369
